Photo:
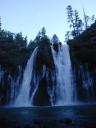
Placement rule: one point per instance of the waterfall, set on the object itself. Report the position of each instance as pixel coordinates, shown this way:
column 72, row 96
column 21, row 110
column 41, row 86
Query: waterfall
column 64, row 89
column 23, row 97
column 60, row 86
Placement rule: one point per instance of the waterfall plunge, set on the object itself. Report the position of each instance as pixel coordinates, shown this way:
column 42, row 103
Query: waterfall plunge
column 64, row 88
column 61, row 82
column 23, row 98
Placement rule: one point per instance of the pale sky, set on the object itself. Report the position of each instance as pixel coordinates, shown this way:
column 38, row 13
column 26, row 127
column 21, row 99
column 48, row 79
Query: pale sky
column 29, row 16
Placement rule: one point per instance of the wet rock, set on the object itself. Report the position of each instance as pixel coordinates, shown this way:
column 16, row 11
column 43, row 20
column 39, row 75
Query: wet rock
column 41, row 97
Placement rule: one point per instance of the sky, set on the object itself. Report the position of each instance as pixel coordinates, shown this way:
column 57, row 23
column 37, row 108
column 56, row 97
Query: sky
column 29, row 16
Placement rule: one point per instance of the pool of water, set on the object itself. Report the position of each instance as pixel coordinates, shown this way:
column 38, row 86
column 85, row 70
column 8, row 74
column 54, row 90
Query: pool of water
column 79, row 114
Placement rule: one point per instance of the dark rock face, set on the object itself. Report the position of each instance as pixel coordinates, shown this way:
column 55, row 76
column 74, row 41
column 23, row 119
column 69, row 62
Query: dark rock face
column 83, row 60
column 81, row 70
column 81, row 76
column 56, row 47
column 41, row 97
column 44, row 58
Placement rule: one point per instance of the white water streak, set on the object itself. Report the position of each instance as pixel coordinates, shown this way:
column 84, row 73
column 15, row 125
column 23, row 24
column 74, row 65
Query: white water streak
column 23, row 98
column 64, row 88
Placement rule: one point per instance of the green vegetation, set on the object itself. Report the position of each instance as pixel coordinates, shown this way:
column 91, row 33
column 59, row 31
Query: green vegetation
column 15, row 49
column 83, row 47
column 81, row 37
column 76, row 24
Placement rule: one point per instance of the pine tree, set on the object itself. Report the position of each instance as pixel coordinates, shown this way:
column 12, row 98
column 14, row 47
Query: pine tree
column 75, row 23
column 88, row 20
column 55, row 39
column 43, row 32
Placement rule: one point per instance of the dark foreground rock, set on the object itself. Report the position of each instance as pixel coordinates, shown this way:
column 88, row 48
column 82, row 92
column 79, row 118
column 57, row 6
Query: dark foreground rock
column 66, row 123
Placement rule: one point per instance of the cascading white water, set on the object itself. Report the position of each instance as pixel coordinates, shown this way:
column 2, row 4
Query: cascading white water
column 23, row 98
column 64, row 88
